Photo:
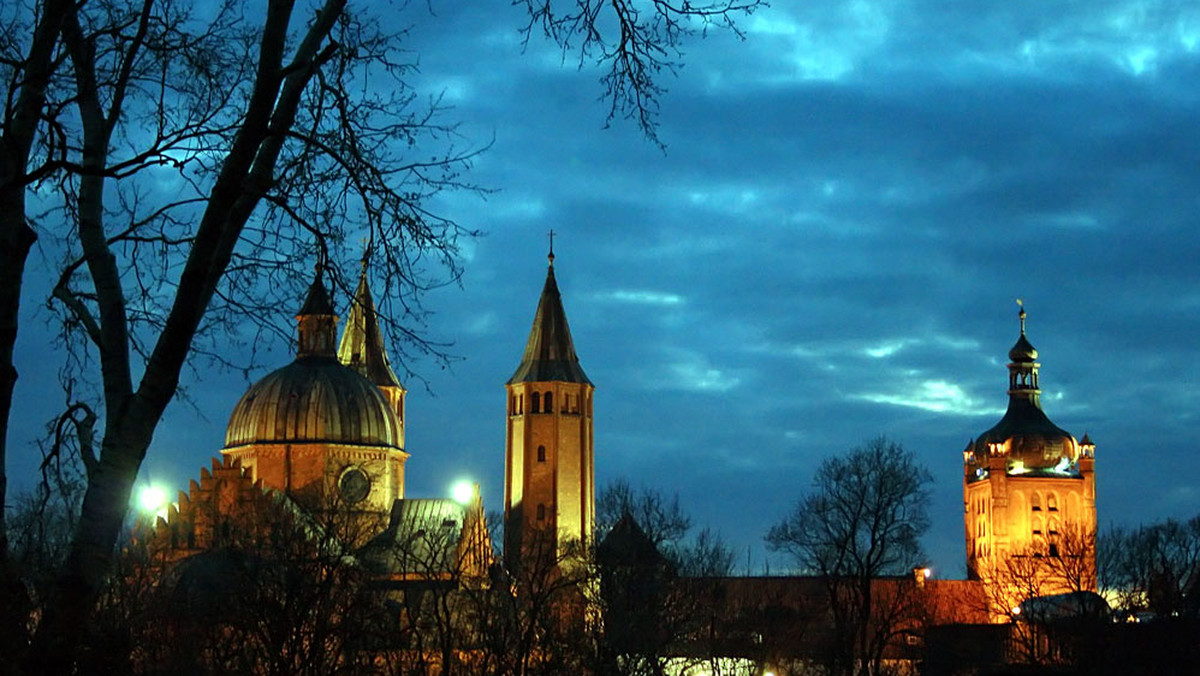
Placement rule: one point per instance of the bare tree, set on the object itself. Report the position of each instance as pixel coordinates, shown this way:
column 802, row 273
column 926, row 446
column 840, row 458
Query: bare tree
column 275, row 151
column 862, row 520
column 1154, row 568
column 635, row 41
column 660, row 518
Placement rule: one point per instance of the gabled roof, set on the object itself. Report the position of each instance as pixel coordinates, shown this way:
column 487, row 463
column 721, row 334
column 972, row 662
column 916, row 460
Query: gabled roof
column 362, row 347
column 550, row 352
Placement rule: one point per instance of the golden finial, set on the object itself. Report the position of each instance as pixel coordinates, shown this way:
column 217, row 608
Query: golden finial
column 1021, row 314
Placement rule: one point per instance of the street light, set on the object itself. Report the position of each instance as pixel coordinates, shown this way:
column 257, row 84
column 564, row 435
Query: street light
column 463, row 492
column 152, row 500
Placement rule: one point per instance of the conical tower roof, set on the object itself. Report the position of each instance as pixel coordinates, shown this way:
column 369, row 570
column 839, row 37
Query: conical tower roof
column 362, row 347
column 550, row 352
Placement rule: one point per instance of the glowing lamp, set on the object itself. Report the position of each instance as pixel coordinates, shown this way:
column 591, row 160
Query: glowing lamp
column 462, row 492
column 151, row 499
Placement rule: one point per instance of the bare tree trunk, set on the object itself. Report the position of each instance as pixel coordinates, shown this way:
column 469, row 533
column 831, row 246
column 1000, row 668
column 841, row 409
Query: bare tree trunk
column 16, row 239
column 131, row 416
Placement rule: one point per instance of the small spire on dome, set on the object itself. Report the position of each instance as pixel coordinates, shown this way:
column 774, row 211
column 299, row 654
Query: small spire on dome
column 316, row 320
column 362, row 345
column 317, row 302
column 551, row 256
column 1021, row 315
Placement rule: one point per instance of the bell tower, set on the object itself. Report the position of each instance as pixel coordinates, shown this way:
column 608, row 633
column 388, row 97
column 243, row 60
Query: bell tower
column 549, row 491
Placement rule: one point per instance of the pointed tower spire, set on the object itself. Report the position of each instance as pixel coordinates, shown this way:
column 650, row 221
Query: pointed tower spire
column 316, row 322
column 550, row 351
column 362, row 348
column 549, row 490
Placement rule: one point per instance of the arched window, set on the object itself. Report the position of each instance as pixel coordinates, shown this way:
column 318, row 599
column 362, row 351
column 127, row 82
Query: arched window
column 1051, row 502
column 541, row 454
column 549, row 401
column 541, row 513
column 1036, row 501
column 535, row 402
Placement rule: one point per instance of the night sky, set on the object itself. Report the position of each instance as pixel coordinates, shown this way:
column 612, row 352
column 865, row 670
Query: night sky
column 829, row 249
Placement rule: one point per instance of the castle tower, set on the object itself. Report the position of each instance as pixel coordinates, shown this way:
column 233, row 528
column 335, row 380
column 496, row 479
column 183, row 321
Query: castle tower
column 1029, row 493
column 549, row 491
column 319, row 431
column 362, row 349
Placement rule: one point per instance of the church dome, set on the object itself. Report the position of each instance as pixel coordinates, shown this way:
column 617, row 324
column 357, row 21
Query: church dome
column 1025, row 434
column 314, row 399
column 1030, row 437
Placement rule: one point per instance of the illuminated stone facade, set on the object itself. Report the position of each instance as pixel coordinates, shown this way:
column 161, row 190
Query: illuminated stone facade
column 325, row 430
column 549, row 489
column 1029, row 493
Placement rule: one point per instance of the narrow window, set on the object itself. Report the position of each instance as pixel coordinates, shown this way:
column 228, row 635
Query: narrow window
column 1036, row 500
column 1052, row 502
column 536, row 402
column 541, row 513
column 549, row 401
column 541, row 454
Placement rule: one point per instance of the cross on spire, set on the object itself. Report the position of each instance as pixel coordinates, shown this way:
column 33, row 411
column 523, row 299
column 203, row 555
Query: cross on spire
column 551, row 256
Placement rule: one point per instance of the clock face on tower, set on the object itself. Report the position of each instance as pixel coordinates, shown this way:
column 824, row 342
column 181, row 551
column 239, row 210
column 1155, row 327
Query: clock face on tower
column 354, row 484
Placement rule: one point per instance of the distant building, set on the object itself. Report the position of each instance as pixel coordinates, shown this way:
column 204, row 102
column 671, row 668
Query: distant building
column 322, row 435
column 1029, row 493
column 325, row 436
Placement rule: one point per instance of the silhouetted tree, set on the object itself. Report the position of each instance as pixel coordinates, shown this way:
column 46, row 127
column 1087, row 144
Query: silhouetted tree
column 1154, row 568
column 863, row 519
column 274, row 152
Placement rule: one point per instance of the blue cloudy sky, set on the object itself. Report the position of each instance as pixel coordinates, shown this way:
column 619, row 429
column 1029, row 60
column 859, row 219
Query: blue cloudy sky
column 829, row 249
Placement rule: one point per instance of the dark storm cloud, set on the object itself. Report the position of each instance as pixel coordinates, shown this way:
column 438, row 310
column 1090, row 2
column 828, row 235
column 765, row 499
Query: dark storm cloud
column 830, row 248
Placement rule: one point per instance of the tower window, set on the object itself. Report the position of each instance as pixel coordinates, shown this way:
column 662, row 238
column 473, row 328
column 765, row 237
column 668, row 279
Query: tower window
column 535, row 402
column 541, row 512
column 1052, row 502
column 1036, row 501
column 541, row 454
column 549, row 401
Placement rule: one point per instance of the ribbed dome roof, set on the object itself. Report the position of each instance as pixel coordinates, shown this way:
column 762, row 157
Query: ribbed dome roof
column 1032, row 438
column 313, row 399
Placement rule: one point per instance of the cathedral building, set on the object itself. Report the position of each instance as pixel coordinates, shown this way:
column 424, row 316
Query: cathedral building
column 1029, row 493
